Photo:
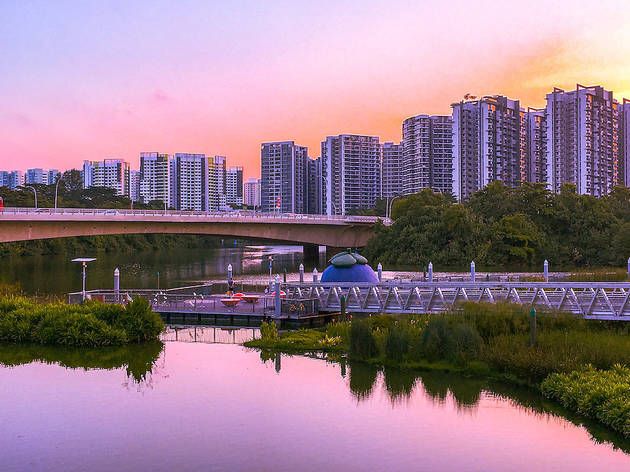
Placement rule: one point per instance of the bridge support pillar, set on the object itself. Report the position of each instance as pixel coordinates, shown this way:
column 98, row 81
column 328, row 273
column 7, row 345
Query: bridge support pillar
column 311, row 252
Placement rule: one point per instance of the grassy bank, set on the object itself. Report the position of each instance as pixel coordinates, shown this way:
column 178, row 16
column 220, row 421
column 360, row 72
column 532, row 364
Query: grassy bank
column 93, row 324
column 489, row 340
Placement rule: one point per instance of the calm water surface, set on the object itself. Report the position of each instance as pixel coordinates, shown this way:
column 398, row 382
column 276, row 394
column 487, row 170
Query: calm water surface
column 58, row 275
column 200, row 406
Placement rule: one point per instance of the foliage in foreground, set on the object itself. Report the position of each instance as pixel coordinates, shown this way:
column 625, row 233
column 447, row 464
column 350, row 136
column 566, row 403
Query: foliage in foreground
column 597, row 394
column 92, row 324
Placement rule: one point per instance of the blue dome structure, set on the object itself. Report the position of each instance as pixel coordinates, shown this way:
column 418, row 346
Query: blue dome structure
column 349, row 266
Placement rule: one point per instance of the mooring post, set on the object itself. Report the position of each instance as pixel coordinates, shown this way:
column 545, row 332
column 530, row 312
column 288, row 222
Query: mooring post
column 229, row 273
column 315, row 275
column 379, row 270
column 342, row 300
column 117, row 284
column 628, row 267
column 430, row 271
column 472, row 271
column 532, row 327
column 277, row 296
column 546, row 270
column 284, row 275
column 301, row 273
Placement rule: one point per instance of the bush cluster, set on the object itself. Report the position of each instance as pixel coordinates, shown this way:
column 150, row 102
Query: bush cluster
column 601, row 395
column 91, row 324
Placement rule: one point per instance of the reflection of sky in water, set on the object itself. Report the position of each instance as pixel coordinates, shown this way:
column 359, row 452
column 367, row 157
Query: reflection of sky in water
column 206, row 407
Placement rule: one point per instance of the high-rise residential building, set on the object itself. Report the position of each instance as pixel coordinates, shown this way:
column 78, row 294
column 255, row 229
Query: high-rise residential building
column 283, row 180
column 391, row 170
column 154, row 177
column 189, row 182
column 623, row 120
column 52, row 176
column 111, row 173
column 582, row 140
column 315, row 184
column 134, row 185
column 252, row 192
column 427, row 153
column 489, row 137
column 534, row 167
column 234, row 186
column 36, row 176
column 217, row 183
column 16, row 179
column 4, row 178
column 351, row 170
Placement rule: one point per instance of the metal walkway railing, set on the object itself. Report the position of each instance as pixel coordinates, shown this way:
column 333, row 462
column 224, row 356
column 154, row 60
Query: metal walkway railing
column 594, row 300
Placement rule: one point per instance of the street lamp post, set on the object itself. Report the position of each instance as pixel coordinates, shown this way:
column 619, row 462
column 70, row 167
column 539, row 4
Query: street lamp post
column 56, row 191
column 35, row 192
column 390, row 204
column 83, row 261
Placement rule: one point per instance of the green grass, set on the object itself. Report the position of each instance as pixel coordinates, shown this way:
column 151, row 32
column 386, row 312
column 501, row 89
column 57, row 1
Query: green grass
column 92, row 324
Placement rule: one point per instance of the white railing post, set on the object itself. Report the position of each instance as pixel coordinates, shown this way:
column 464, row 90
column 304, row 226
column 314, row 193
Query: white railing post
column 546, row 270
column 472, row 271
column 315, row 276
column 301, row 273
column 379, row 270
column 430, row 271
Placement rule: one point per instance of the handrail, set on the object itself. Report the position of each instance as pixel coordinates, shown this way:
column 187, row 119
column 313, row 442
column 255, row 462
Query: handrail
column 43, row 212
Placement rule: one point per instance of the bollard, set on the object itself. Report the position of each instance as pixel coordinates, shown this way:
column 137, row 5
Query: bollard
column 379, row 270
column 277, row 296
column 229, row 273
column 117, row 283
column 343, row 307
column 284, row 275
column 430, row 271
column 532, row 327
column 546, row 270
column 314, row 275
column 301, row 273
column 472, row 271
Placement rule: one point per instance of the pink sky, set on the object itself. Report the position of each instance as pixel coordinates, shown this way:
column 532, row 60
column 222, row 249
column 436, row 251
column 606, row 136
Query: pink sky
column 82, row 81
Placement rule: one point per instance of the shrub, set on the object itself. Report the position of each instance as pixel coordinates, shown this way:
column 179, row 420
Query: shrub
column 598, row 394
column 396, row 343
column 465, row 344
column 268, row 331
column 435, row 339
column 339, row 329
column 362, row 344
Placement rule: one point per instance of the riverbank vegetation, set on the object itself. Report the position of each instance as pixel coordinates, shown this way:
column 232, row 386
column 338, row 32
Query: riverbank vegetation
column 510, row 228
column 485, row 340
column 93, row 324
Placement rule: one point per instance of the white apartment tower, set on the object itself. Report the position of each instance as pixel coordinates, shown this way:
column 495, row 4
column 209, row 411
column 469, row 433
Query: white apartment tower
column 489, row 136
column 351, row 170
column 217, row 183
column 427, row 160
column 582, row 140
column 252, row 192
column 111, row 173
column 234, row 186
column 154, row 177
column 623, row 120
column 189, row 182
column 283, row 183
column 391, row 170
column 535, row 165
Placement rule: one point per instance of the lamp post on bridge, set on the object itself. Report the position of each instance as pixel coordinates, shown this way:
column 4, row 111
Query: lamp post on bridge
column 57, row 190
column 35, row 192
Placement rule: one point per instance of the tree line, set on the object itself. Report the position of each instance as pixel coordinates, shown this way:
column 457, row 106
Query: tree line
column 508, row 228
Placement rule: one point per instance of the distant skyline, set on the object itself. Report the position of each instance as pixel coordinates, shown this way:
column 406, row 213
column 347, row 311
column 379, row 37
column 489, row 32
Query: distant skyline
column 85, row 80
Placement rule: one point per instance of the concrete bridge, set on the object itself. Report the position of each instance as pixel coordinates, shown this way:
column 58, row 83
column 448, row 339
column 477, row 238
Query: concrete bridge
column 26, row 224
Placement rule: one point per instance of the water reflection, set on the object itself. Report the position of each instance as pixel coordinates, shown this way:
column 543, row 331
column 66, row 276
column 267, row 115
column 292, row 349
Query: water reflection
column 137, row 359
column 56, row 274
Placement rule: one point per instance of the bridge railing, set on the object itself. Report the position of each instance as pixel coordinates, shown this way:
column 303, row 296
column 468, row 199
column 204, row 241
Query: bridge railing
column 107, row 212
column 593, row 300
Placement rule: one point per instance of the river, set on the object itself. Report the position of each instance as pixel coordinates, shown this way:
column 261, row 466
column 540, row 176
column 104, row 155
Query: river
column 200, row 406
column 57, row 275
